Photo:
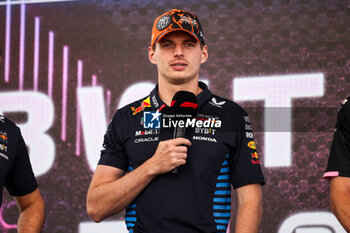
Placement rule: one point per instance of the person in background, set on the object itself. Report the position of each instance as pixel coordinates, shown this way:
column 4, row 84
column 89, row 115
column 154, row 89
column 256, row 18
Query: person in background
column 17, row 176
column 338, row 168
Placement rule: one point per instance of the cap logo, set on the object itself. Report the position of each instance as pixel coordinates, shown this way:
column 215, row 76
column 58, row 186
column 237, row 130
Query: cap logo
column 163, row 22
column 185, row 19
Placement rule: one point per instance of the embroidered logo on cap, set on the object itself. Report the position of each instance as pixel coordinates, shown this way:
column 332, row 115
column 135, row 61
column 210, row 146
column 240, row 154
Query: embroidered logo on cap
column 163, row 22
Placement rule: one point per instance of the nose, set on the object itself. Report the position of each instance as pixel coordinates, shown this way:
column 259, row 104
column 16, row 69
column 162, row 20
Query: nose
column 178, row 51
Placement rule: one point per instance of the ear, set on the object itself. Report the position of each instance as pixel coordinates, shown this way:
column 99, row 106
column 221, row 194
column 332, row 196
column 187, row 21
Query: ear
column 204, row 54
column 151, row 56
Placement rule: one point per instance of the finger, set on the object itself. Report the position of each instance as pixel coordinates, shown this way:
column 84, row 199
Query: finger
column 181, row 149
column 180, row 162
column 181, row 156
column 180, row 141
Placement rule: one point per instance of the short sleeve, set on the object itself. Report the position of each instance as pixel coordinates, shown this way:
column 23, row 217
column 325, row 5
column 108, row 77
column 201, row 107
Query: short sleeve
column 339, row 158
column 244, row 161
column 113, row 153
column 20, row 180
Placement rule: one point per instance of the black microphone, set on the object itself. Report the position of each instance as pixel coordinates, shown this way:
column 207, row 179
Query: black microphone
column 184, row 106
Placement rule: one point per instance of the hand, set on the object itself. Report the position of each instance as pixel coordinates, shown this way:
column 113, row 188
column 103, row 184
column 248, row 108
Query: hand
column 169, row 155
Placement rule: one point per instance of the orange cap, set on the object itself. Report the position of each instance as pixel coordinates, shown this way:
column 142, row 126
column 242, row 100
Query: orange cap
column 175, row 20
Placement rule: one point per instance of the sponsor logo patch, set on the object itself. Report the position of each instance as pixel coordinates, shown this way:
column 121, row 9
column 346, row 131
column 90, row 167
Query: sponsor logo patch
column 255, row 158
column 246, row 119
column 155, row 102
column 248, row 127
column 208, row 139
column 205, row 131
column 215, row 103
column 3, row 136
column 145, row 104
column 147, row 132
column 150, row 139
column 249, row 135
column 254, row 155
column 151, row 120
column 251, row 145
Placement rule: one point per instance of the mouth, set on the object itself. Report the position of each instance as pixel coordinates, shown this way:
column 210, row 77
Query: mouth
column 178, row 66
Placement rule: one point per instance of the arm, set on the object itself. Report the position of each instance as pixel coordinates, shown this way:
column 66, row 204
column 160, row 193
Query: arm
column 340, row 200
column 111, row 190
column 249, row 208
column 32, row 212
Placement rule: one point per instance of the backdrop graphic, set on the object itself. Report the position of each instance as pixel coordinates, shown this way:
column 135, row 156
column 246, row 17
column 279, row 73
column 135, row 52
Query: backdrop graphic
column 68, row 65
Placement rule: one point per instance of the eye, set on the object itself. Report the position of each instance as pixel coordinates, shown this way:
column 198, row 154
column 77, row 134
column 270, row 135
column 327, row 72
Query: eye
column 167, row 45
column 190, row 44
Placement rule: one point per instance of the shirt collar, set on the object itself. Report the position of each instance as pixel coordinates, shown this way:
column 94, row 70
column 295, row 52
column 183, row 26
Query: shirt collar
column 202, row 97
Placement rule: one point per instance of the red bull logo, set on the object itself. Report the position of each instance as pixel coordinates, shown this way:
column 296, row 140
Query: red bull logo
column 3, row 136
column 145, row 104
column 251, row 145
column 255, row 161
column 254, row 155
column 255, row 158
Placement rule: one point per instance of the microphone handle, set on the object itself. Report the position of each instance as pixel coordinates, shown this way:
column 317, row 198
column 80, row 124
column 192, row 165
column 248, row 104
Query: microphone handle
column 179, row 132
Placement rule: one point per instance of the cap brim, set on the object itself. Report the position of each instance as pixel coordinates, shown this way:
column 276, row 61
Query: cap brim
column 173, row 30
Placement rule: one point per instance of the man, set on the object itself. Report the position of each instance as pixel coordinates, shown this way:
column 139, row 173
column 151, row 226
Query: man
column 135, row 167
column 338, row 169
column 17, row 176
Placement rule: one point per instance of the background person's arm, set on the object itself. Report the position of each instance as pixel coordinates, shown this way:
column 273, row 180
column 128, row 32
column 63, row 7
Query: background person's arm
column 340, row 200
column 32, row 212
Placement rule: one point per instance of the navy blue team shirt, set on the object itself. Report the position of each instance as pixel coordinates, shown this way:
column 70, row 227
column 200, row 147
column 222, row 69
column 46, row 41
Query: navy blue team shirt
column 198, row 198
column 16, row 173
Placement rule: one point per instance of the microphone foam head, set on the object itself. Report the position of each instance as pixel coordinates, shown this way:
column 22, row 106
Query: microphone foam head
column 184, row 102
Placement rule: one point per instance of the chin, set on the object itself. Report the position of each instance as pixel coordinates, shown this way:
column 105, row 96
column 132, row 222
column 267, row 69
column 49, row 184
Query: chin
column 180, row 80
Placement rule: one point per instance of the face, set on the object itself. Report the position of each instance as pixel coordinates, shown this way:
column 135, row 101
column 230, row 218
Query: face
column 178, row 57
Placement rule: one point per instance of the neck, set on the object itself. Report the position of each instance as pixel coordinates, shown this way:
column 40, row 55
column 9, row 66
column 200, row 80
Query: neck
column 167, row 91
